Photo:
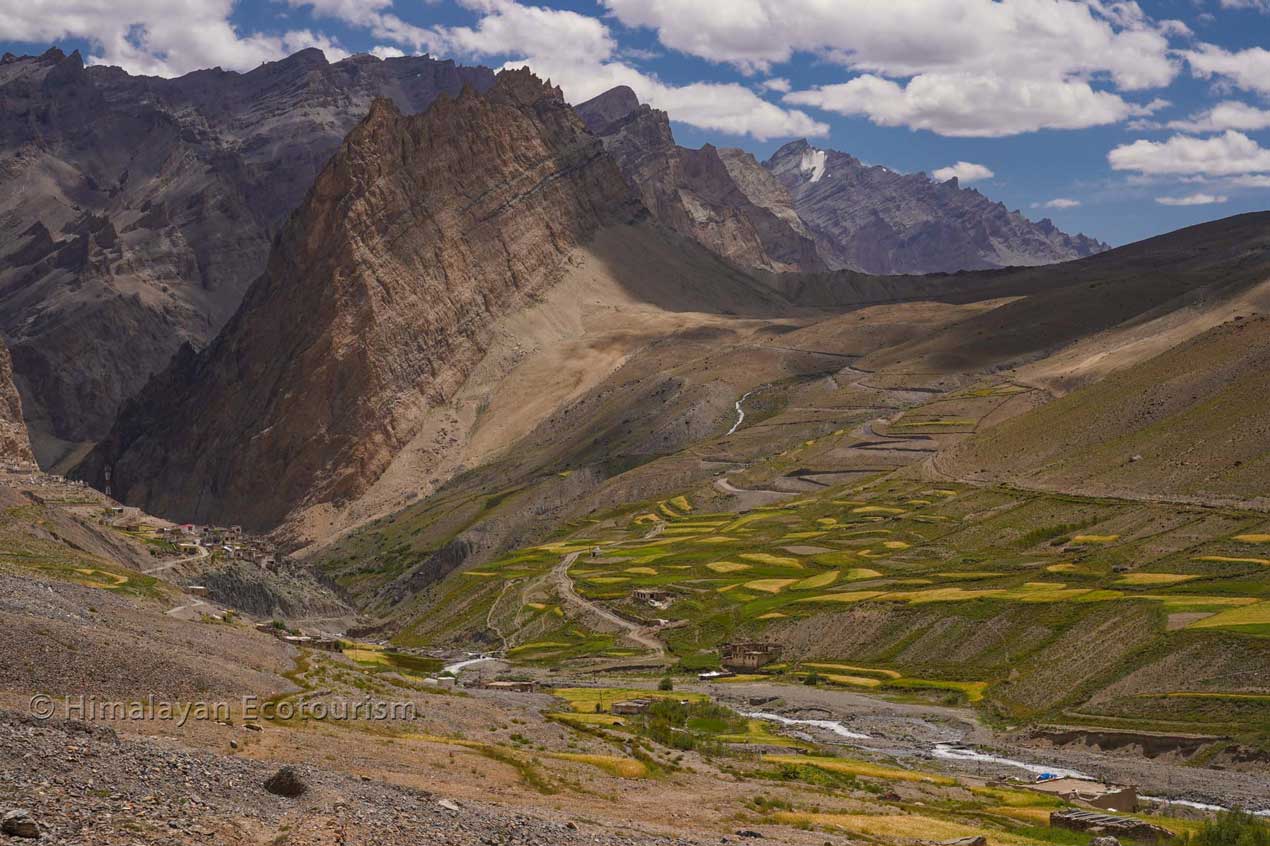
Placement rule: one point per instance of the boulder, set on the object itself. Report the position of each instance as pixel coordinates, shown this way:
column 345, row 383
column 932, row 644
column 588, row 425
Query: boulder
column 286, row 782
column 19, row 823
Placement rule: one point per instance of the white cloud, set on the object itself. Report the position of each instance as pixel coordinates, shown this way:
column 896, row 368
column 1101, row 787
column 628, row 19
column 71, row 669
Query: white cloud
column 779, row 84
column 963, row 172
column 1229, row 154
column 1262, row 6
column 384, row 51
column 579, row 54
column 956, row 67
column 1252, row 181
column 154, row 37
column 972, row 106
column 1058, row 203
column 1230, row 114
column 1247, row 69
column 1191, row 200
column 1052, row 38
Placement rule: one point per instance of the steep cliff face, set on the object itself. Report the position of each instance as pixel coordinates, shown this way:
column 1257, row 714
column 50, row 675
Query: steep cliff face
column 14, row 444
column 377, row 302
column 721, row 198
column 874, row 220
column 136, row 211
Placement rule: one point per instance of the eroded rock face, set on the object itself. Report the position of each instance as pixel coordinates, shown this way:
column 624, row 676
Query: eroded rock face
column 377, row 302
column 136, row 211
column 15, row 446
column 874, row 220
column 721, row 198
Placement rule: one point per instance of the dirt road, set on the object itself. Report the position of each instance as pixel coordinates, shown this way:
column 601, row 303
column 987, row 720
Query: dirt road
column 631, row 630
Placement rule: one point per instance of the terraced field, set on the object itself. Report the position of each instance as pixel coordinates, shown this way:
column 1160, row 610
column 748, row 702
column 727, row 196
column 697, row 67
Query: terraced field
column 1030, row 605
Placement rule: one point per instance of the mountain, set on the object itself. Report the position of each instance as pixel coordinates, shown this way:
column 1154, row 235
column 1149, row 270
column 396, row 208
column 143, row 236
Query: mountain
column 14, row 444
column 721, row 198
column 379, row 299
column 136, row 211
column 874, row 220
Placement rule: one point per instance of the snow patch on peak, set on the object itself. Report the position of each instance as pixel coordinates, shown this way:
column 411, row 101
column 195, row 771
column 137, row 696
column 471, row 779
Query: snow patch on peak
column 813, row 162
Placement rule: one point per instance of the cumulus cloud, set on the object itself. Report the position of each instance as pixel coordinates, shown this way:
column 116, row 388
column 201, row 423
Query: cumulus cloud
column 956, row 67
column 1192, row 200
column 972, row 106
column 963, row 172
column 1058, row 203
column 1229, row 154
column 1262, row 6
column 1247, row 69
column 777, row 84
column 910, row 37
column 1230, row 114
column 154, row 37
column 578, row 53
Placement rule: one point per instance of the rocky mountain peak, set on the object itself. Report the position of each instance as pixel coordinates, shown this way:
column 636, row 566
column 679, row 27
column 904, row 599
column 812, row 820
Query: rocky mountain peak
column 872, row 219
column 379, row 298
column 723, row 199
column 194, row 176
column 611, row 106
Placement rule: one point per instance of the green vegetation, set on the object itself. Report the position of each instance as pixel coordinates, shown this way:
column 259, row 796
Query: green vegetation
column 1235, row 828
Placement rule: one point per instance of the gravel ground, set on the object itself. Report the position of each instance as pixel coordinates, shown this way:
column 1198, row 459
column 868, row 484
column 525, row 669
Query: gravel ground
column 85, row 785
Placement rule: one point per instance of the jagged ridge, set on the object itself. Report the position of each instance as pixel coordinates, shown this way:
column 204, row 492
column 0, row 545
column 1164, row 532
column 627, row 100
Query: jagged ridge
column 138, row 209
column 874, row 220
column 377, row 302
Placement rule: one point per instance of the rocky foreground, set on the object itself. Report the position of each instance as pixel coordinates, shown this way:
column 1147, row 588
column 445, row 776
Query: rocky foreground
column 79, row 783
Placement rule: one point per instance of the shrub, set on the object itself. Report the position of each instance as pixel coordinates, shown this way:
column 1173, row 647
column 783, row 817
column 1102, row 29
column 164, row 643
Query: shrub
column 666, row 683
column 1236, row 828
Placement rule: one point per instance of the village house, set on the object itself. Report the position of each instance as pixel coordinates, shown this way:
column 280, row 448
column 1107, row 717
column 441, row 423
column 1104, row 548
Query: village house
column 652, row 596
column 631, row 707
column 1130, row 827
column 749, row 655
column 1109, row 797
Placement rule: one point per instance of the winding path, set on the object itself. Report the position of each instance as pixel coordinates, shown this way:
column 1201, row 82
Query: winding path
column 631, row 630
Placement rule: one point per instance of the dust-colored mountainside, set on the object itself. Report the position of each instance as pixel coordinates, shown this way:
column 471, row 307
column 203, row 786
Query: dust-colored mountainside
column 1182, row 273
column 379, row 299
column 722, row 198
column 1189, row 423
column 874, row 220
column 15, row 446
column 136, row 211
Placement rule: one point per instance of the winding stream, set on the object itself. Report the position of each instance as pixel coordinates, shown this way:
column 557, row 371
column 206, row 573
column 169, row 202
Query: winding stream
column 740, row 413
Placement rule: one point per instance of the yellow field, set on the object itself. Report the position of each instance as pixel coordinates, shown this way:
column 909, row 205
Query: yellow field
column 1228, row 560
column 1249, row 615
column 850, row 596
column 611, row 764
column 877, row 509
column 854, row 681
column 771, row 615
column 641, row 571
column 772, row 560
column 1153, row 579
column 1095, row 538
column 1253, row 538
column 895, row 545
column 852, row 668
column 769, row 585
column 727, row 566
column 825, row 579
column 863, row 769
column 859, row 573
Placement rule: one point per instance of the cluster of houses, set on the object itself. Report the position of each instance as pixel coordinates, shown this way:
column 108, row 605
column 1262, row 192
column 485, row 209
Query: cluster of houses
column 323, row 642
column 230, row 541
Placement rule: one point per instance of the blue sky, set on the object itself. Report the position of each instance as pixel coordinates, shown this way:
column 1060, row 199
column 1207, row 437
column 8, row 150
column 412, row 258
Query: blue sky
column 1118, row 119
